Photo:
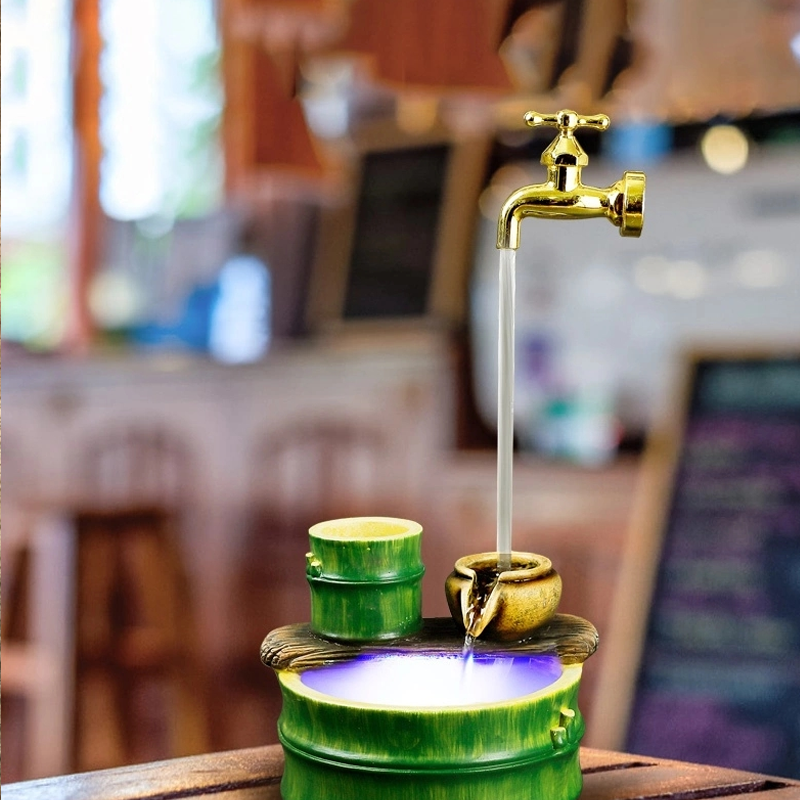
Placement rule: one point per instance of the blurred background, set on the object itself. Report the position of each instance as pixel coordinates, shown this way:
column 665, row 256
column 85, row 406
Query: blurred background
column 249, row 283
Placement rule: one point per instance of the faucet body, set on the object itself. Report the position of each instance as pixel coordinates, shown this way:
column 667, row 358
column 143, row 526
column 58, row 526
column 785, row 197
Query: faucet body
column 563, row 195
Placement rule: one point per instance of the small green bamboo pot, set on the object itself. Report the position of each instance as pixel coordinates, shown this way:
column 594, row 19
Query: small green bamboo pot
column 365, row 575
column 525, row 748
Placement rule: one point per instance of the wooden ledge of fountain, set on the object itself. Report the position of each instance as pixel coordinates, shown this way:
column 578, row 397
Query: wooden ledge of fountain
column 295, row 647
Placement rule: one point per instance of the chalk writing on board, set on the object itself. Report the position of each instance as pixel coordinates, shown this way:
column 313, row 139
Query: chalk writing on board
column 720, row 676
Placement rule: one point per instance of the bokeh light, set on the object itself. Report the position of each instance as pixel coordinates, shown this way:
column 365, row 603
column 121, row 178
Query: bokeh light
column 725, row 149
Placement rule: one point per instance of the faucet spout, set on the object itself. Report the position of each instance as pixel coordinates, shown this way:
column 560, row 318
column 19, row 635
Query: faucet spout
column 622, row 203
column 563, row 195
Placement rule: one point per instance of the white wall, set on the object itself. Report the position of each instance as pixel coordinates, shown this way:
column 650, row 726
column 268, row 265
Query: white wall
column 588, row 288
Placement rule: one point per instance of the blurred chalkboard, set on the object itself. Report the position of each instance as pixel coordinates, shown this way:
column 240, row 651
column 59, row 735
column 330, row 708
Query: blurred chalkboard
column 396, row 232
column 395, row 250
column 719, row 675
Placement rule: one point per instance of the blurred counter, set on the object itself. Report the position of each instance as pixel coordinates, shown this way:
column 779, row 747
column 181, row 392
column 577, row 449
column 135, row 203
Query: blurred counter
column 348, row 428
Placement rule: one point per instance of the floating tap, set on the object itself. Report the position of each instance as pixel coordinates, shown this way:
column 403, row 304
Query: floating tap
column 507, row 595
column 563, row 195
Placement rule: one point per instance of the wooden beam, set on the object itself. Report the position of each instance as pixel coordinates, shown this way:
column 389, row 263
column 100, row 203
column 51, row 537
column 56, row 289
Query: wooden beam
column 86, row 214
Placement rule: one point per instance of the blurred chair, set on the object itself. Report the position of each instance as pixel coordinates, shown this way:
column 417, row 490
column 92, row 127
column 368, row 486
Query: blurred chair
column 139, row 686
column 136, row 465
column 309, row 472
column 36, row 627
column 36, row 633
column 100, row 661
column 323, row 466
column 139, row 691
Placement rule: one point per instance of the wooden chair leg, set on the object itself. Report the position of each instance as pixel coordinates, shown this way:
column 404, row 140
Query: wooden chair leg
column 39, row 667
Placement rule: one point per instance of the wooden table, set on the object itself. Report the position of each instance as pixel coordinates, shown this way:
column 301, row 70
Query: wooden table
column 255, row 774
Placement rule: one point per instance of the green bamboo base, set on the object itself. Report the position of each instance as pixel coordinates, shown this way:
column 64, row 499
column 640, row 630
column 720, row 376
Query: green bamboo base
column 366, row 611
column 526, row 748
column 557, row 779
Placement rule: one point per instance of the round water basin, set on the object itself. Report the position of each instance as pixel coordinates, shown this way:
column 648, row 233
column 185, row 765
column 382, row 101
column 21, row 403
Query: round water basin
column 432, row 727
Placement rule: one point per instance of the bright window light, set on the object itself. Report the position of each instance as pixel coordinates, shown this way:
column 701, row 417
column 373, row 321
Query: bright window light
column 35, row 128
column 161, row 107
column 36, row 138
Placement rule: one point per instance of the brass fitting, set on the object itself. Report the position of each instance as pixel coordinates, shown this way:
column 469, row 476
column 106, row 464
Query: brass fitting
column 563, row 195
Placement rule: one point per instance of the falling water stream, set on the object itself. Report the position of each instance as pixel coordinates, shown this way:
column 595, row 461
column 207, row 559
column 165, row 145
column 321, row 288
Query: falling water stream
column 505, row 444
column 505, row 406
column 487, row 579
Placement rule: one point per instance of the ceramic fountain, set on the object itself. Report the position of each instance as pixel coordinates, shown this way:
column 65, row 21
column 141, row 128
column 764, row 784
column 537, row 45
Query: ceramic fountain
column 379, row 702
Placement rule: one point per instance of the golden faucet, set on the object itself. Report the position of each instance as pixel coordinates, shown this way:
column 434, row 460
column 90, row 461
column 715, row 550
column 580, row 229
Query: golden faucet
column 563, row 195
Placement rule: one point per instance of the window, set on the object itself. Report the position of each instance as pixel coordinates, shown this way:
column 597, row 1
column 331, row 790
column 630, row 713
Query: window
column 160, row 111
column 159, row 119
column 36, row 167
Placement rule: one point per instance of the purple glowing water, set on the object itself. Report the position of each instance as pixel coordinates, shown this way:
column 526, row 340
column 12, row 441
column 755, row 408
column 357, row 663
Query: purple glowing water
column 406, row 680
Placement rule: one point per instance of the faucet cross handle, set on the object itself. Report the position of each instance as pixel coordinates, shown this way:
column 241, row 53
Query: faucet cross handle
column 567, row 121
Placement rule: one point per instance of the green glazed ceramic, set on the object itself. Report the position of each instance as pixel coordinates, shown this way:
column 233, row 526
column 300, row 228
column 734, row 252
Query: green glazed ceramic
column 365, row 576
column 525, row 748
